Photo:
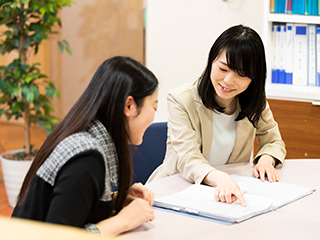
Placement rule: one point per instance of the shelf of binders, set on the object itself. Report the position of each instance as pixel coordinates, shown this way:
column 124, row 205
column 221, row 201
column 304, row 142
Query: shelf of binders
column 287, row 91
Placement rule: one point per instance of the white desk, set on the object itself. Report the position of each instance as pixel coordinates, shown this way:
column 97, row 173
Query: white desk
column 299, row 220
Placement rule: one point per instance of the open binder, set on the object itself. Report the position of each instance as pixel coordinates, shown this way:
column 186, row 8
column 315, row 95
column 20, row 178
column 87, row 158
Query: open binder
column 261, row 197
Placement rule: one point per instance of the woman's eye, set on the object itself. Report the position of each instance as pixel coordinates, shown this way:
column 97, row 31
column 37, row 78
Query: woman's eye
column 223, row 70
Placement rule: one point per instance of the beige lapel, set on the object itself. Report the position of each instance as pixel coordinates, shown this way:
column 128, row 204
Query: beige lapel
column 205, row 117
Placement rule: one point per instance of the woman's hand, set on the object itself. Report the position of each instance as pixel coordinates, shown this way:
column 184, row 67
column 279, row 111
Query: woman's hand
column 133, row 215
column 138, row 190
column 136, row 213
column 265, row 167
column 227, row 190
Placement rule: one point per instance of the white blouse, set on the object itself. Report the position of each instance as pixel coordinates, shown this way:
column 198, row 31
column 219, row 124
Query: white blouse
column 223, row 138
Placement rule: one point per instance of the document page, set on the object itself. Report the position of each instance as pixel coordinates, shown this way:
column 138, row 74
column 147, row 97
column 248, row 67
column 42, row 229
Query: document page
column 199, row 200
column 281, row 193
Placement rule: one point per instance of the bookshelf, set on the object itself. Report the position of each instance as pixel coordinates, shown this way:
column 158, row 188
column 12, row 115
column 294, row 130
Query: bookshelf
column 285, row 91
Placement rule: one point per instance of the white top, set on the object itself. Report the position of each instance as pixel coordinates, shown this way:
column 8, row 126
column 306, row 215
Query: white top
column 223, row 138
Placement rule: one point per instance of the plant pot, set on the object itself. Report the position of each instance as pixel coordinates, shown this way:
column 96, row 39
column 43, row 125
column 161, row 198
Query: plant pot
column 14, row 173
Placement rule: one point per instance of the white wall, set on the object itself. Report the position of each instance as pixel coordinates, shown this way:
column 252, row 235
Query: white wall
column 180, row 33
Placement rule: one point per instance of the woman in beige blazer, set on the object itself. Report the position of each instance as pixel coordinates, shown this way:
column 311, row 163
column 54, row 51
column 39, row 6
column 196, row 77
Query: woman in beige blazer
column 233, row 83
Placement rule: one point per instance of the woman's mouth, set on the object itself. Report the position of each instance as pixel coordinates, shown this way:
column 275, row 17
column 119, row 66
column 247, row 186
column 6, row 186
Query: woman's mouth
column 225, row 89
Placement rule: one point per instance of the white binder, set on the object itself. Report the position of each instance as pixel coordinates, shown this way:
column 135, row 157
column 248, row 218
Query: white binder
column 300, row 54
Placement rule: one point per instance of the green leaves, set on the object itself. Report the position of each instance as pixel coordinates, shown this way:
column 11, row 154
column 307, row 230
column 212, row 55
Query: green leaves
column 19, row 85
column 42, row 10
column 17, row 72
column 51, row 91
column 64, row 45
column 15, row 4
column 16, row 91
column 29, row 22
column 45, row 121
column 23, row 88
column 34, row 89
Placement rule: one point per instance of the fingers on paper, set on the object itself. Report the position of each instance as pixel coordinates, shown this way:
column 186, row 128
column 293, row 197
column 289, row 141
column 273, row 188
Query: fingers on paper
column 277, row 176
column 216, row 195
column 255, row 173
column 230, row 197
column 240, row 197
column 273, row 176
column 264, row 174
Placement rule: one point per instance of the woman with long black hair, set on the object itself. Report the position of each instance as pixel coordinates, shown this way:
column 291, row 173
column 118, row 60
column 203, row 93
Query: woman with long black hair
column 88, row 154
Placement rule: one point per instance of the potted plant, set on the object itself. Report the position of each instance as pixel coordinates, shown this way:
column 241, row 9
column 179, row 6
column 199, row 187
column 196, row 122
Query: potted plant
column 24, row 91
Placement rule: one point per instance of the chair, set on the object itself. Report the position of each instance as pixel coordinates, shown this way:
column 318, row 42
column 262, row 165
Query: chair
column 150, row 154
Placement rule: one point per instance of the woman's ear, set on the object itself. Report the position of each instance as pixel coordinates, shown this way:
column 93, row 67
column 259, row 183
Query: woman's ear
column 129, row 106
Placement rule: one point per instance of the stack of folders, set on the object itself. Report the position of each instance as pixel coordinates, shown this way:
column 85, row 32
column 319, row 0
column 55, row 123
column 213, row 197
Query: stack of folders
column 308, row 7
column 296, row 54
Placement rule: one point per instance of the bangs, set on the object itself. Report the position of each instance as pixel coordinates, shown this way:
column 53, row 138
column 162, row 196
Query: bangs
column 240, row 59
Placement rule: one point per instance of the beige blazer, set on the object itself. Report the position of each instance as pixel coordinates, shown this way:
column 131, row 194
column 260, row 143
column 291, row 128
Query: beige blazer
column 190, row 129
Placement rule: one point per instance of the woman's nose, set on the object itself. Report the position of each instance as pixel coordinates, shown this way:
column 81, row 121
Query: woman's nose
column 229, row 78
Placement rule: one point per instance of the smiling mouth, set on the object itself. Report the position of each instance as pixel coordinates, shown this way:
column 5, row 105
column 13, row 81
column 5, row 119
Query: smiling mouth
column 224, row 89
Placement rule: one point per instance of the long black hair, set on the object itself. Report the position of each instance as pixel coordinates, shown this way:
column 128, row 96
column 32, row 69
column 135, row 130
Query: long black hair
column 245, row 56
column 103, row 100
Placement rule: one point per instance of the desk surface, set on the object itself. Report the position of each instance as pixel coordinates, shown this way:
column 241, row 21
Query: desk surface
column 298, row 220
column 22, row 229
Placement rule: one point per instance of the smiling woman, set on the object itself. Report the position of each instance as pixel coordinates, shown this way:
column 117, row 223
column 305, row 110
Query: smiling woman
column 227, row 83
column 216, row 119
